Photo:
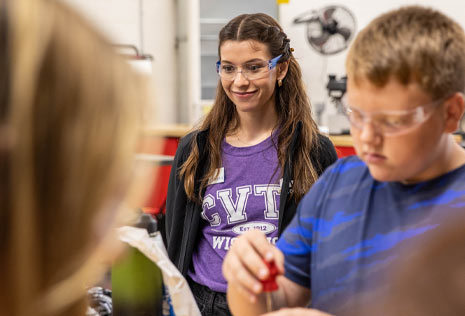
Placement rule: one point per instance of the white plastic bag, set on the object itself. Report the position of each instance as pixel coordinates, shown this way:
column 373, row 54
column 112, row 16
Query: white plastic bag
column 182, row 300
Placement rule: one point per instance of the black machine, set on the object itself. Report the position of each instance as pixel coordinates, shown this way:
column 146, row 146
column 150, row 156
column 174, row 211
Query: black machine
column 336, row 87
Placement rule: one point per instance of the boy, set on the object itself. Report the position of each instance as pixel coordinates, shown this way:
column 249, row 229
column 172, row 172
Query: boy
column 406, row 78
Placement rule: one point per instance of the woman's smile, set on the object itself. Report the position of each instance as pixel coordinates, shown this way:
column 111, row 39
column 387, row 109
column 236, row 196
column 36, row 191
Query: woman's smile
column 245, row 95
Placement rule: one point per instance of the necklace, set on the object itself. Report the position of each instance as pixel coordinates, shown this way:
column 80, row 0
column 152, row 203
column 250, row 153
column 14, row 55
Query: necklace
column 236, row 140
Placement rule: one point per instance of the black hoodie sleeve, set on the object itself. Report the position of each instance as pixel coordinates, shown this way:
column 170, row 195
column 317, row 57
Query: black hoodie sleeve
column 326, row 154
column 176, row 198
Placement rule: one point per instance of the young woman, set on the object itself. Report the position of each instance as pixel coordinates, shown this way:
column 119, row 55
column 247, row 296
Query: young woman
column 69, row 123
column 249, row 163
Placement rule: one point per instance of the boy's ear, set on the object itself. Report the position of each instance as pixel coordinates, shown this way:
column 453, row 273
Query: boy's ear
column 454, row 107
column 282, row 69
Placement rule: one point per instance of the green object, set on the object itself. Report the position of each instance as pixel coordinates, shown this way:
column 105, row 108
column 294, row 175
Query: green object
column 137, row 281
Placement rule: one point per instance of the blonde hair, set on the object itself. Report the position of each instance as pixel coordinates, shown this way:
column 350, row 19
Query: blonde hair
column 411, row 44
column 69, row 118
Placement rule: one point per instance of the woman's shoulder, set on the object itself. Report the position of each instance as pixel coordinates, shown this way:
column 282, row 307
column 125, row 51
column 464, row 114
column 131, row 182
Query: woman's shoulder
column 324, row 154
column 326, row 143
column 187, row 140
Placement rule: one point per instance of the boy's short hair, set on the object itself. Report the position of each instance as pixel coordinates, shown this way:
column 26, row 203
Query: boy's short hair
column 411, row 44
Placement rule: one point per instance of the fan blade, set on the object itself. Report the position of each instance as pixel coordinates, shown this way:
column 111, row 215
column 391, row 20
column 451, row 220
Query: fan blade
column 306, row 17
column 345, row 32
column 328, row 13
column 320, row 41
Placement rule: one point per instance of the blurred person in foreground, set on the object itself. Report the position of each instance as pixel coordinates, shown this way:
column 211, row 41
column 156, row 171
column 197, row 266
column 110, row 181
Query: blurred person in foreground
column 406, row 79
column 69, row 121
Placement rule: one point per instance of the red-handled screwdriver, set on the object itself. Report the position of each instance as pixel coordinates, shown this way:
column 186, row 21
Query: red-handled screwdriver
column 270, row 285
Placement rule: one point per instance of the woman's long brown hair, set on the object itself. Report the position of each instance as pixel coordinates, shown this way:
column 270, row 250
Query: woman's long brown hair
column 292, row 106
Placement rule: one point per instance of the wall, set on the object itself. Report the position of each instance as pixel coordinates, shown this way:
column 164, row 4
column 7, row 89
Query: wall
column 315, row 66
column 188, row 58
column 171, row 33
column 149, row 25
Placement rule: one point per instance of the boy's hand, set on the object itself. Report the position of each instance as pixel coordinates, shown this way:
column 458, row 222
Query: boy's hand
column 297, row 312
column 243, row 266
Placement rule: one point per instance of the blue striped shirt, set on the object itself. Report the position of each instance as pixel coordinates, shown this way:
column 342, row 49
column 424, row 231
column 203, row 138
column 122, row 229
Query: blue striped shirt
column 348, row 227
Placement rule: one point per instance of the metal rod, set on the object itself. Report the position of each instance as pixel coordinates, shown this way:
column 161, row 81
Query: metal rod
column 141, row 26
column 269, row 304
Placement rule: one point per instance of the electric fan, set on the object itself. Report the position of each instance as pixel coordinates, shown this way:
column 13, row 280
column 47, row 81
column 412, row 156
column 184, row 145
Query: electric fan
column 329, row 29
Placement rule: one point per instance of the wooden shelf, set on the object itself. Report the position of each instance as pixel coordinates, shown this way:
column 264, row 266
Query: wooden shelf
column 174, row 130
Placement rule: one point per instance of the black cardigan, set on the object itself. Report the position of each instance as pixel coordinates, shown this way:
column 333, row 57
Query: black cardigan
column 183, row 215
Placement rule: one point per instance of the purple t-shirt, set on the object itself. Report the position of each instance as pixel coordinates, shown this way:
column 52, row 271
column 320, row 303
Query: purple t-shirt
column 244, row 196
